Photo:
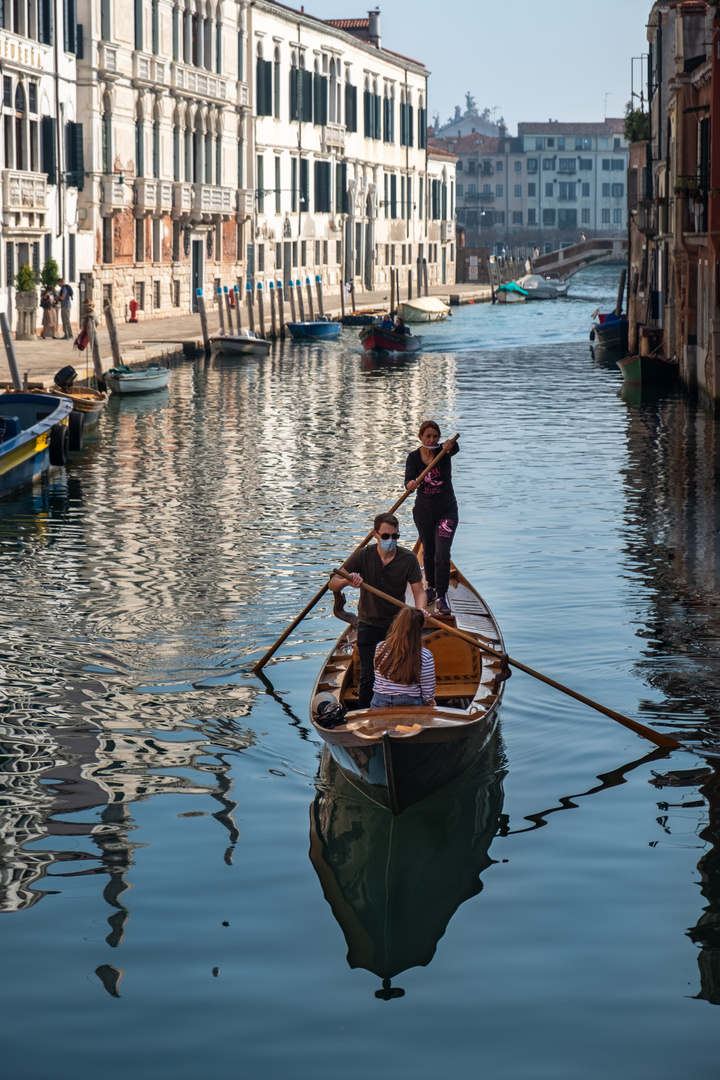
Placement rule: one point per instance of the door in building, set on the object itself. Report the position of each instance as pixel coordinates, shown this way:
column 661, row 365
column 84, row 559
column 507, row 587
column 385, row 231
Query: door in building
column 196, row 273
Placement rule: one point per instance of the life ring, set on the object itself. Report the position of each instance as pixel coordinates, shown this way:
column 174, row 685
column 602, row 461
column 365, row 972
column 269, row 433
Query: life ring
column 59, row 444
column 76, row 422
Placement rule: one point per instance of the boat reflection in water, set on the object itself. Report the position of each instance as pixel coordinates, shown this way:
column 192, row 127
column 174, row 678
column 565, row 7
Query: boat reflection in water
column 394, row 882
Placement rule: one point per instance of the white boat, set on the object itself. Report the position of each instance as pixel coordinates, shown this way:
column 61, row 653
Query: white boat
column 245, row 343
column 510, row 294
column 125, row 380
column 540, row 288
column 424, row 309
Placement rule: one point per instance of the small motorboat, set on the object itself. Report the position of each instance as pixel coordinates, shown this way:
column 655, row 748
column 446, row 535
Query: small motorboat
column 88, row 404
column 511, row 293
column 423, row 310
column 540, row 288
column 398, row 756
column 125, row 380
column 34, row 435
column 311, row 331
column 610, row 330
column 375, row 339
column 244, row 343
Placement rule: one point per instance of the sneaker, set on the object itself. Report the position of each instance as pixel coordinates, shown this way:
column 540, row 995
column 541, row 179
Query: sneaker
column 431, row 595
column 442, row 607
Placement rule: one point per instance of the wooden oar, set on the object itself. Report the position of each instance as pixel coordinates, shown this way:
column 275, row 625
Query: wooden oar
column 319, row 595
column 640, row 729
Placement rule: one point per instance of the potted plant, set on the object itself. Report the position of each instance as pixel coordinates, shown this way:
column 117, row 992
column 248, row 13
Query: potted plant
column 26, row 302
column 50, row 274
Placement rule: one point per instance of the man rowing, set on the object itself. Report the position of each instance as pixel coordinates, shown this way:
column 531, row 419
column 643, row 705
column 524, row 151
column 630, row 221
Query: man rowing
column 391, row 569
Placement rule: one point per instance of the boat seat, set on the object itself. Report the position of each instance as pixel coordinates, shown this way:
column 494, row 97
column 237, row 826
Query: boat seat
column 9, row 427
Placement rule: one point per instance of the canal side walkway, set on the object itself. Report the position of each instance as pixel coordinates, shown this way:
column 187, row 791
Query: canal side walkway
column 170, row 338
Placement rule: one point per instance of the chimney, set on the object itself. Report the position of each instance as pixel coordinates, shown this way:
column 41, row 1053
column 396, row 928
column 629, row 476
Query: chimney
column 502, row 131
column 374, row 27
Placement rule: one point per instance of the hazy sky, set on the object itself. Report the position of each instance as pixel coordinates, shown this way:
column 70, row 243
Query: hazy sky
column 534, row 59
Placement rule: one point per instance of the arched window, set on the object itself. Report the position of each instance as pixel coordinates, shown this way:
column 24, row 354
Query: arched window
column 241, row 155
column 276, row 84
column 156, row 143
column 208, row 154
column 207, row 40
column 188, row 149
column 198, row 145
column 106, row 135
column 177, row 138
column 155, row 27
column 218, row 159
column 241, row 55
column 20, row 128
column 332, row 107
column 218, row 40
column 176, row 31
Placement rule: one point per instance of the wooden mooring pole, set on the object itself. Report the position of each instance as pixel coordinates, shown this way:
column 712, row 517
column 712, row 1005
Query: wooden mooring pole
column 200, row 301
column 281, row 308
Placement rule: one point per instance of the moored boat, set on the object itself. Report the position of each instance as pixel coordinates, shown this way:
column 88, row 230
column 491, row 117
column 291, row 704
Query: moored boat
column 649, row 370
column 540, row 288
column 88, row 404
column 510, row 294
column 312, row 331
column 34, row 436
column 125, row 380
column 609, row 331
column 424, row 309
column 244, row 343
column 376, row 340
column 401, row 755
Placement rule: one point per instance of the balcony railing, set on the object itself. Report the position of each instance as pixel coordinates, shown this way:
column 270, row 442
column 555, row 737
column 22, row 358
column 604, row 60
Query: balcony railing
column 333, row 135
column 146, row 196
column 165, row 195
column 182, row 198
column 486, row 196
column 209, row 199
column 197, row 82
column 108, row 57
column 112, row 195
column 24, row 191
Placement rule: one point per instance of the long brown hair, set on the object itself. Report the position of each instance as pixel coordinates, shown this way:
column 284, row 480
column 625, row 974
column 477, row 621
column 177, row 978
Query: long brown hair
column 399, row 657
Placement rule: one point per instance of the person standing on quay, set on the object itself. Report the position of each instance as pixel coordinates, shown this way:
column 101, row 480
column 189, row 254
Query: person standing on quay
column 435, row 511
column 66, row 296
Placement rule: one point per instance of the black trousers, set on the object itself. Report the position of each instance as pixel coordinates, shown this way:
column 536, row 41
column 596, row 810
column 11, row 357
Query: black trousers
column 436, row 530
column 368, row 638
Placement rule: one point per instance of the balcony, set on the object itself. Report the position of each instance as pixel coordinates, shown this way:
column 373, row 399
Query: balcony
column 197, row 82
column 647, row 217
column 245, row 204
column 24, row 192
column 447, row 231
column 182, row 199
column 112, row 195
column 486, row 197
column 146, row 197
column 165, row 196
column 108, row 58
column 209, row 200
column 149, row 70
column 333, row 136
column 243, row 93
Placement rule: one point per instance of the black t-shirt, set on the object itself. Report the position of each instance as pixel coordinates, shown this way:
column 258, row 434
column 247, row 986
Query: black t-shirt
column 391, row 578
column 436, row 491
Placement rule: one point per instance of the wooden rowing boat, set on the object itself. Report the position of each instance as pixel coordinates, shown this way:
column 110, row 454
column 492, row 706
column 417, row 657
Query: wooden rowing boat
column 394, row 883
column 374, row 339
column 399, row 756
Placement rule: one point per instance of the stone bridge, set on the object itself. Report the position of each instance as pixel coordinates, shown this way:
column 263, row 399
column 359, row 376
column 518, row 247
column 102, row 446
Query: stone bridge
column 567, row 261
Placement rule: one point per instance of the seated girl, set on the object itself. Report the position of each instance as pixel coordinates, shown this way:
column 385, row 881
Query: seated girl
column 404, row 670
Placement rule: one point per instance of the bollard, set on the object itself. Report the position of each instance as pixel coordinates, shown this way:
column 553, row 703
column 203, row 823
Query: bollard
column 238, row 308
column 273, row 322
column 221, row 312
column 112, row 331
column 261, row 310
column 298, row 288
column 281, row 308
column 318, row 288
column 228, row 306
column 308, row 286
column 203, row 318
column 10, row 351
column 291, row 294
column 251, row 314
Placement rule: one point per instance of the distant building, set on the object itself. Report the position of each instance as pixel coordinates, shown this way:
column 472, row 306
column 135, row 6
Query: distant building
column 544, row 187
column 470, row 122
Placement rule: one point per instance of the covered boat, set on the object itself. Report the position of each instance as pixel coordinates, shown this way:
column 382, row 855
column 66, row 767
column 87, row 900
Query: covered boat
column 376, row 340
column 125, row 380
column 244, row 343
column 394, row 883
column 400, row 755
column 540, row 288
column 609, row 330
column 510, row 294
column 424, row 309
column 311, row 331
column 34, row 435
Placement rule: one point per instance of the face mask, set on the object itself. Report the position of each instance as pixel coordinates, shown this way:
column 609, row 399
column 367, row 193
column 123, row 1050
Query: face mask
column 387, row 545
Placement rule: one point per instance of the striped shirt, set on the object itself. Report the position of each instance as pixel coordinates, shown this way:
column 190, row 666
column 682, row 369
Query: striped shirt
column 425, row 688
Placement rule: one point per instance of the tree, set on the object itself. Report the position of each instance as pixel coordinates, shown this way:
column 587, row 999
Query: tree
column 25, row 280
column 637, row 124
column 50, row 274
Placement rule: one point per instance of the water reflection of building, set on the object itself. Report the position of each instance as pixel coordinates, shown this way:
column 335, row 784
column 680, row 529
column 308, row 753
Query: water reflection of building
column 394, row 883
column 54, row 772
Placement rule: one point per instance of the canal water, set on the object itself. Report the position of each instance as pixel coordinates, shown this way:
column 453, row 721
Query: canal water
column 182, row 898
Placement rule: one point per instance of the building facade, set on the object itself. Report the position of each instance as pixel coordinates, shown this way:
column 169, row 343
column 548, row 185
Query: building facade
column 543, row 188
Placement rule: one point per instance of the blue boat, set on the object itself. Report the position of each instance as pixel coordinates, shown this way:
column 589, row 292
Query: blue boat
column 320, row 328
column 34, row 434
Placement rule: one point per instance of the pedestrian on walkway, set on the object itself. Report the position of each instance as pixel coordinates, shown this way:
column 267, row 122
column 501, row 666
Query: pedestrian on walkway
column 66, row 296
column 49, row 305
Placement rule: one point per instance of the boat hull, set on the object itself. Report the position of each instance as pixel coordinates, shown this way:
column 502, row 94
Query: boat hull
column 504, row 296
column 426, row 309
column 237, row 345
column 312, row 331
column 90, row 403
column 26, row 456
column 381, row 341
column 649, row 370
column 137, row 382
column 612, row 335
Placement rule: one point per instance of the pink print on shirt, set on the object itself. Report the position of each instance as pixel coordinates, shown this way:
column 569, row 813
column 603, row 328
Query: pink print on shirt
column 432, row 483
column 446, row 527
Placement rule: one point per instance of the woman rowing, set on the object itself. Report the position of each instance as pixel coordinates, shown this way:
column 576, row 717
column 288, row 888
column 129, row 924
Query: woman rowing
column 435, row 511
column 404, row 670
